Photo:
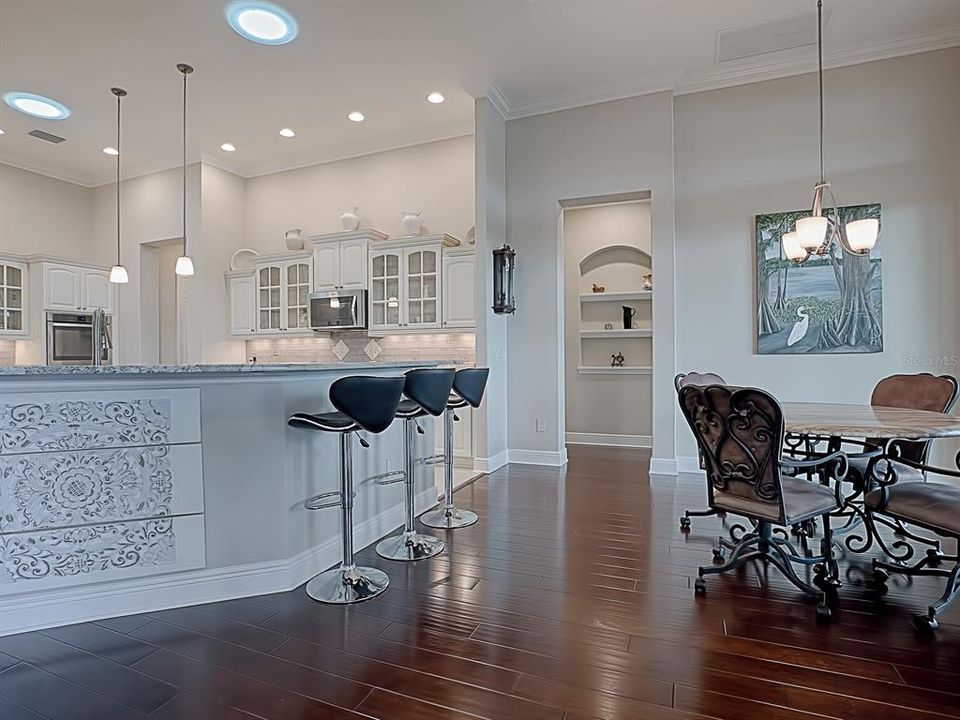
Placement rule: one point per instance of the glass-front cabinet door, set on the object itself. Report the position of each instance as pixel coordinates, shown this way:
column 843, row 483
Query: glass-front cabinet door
column 422, row 291
column 11, row 299
column 298, row 296
column 268, row 298
column 385, row 298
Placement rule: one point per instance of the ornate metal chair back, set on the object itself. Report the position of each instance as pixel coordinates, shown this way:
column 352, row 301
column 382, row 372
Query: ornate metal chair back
column 697, row 378
column 739, row 432
column 920, row 391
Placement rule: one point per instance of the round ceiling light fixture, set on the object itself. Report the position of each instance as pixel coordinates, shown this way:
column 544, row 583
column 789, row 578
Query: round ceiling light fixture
column 356, row 116
column 435, row 98
column 228, row 147
column 37, row 106
column 262, row 22
column 287, row 132
column 111, row 151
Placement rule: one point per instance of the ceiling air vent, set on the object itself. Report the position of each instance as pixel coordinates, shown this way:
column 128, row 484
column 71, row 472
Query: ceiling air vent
column 41, row 135
column 768, row 37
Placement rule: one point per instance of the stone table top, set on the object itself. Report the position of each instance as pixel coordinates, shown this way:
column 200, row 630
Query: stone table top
column 857, row 421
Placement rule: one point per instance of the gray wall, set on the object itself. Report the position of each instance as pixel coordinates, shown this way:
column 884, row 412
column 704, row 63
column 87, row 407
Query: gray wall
column 891, row 137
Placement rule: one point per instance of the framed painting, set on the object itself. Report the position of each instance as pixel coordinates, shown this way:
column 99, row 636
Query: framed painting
column 831, row 303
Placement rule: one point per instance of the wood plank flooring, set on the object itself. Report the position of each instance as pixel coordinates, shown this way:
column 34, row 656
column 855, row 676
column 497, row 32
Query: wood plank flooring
column 570, row 600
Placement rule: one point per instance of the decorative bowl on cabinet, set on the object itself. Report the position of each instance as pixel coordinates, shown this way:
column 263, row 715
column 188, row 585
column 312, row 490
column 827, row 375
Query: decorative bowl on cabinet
column 350, row 218
column 411, row 222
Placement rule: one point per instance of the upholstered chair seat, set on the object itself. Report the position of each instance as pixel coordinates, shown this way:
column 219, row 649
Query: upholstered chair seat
column 933, row 504
column 802, row 500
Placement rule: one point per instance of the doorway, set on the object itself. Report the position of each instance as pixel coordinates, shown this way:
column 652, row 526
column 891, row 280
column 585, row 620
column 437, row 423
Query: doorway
column 161, row 303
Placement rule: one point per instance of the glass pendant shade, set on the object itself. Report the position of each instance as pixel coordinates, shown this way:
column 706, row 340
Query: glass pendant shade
column 811, row 231
column 184, row 266
column 791, row 246
column 118, row 275
column 862, row 234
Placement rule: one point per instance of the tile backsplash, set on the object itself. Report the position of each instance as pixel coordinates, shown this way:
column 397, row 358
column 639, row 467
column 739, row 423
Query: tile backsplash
column 8, row 352
column 441, row 346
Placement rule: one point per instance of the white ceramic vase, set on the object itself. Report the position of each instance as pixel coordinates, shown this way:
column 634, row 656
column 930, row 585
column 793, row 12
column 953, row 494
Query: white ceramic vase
column 411, row 222
column 294, row 239
column 350, row 218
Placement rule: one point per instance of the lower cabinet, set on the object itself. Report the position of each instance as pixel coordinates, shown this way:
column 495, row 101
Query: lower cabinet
column 462, row 437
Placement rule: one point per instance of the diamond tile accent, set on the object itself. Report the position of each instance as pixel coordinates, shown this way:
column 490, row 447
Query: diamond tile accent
column 372, row 349
column 341, row 350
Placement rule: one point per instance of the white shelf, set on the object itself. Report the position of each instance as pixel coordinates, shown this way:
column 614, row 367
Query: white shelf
column 609, row 370
column 619, row 333
column 617, row 296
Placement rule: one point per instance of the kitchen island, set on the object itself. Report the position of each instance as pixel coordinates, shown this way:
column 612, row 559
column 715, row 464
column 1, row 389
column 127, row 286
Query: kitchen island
column 125, row 489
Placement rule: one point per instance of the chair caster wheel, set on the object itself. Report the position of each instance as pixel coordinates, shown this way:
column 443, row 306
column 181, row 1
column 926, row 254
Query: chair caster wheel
column 684, row 523
column 933, row 556
column 700, row 586
column 880, row 576
column 824, row 614
column 925, row 624
column 718, row 554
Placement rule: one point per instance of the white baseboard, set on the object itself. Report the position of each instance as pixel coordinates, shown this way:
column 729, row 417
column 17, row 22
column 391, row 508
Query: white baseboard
column 689, row 464
column 550, row 458
column 490, row 464
column 35, row 611
column 663, row 466
column 630, row 441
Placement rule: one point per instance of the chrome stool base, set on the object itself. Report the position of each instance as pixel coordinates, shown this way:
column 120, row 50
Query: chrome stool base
column 341, row 586
column 409, row 546
column 448, row 518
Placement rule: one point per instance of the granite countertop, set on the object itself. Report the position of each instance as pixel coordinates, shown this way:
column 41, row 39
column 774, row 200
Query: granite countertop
column 251, row 368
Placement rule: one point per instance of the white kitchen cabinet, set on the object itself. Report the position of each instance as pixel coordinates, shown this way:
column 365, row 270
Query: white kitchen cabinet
column 459, row 268
column 242, row 303
column 13, row 312
column 73, row 288
column 406, row 282
column 340, row 260
column 283, row 296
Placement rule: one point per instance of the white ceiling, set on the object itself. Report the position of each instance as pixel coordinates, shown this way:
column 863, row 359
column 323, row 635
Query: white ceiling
column 382, row 57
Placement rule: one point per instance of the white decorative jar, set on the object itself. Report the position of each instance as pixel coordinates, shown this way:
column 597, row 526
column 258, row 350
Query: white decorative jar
column 411, row 222
column 294, row 239
column 350, row 218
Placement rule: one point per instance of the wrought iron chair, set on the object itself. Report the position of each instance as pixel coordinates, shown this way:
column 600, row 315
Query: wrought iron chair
column 680, row 381
column 740, row 433
column 932, row 506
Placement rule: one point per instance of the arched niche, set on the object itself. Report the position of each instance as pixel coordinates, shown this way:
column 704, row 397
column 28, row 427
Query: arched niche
column 618, row 268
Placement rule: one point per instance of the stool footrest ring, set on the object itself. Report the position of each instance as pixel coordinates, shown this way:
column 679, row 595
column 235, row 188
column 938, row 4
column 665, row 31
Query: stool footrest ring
column 317, row 501
column 432, row 459
column 389, row 478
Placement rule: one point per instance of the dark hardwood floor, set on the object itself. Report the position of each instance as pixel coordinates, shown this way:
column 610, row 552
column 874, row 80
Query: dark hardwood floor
column 570, row 600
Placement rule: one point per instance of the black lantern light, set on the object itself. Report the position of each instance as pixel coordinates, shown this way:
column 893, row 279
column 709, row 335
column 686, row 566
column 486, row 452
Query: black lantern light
column 504, row 260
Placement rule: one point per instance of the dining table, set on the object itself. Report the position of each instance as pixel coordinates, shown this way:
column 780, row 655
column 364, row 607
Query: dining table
column 810, row 425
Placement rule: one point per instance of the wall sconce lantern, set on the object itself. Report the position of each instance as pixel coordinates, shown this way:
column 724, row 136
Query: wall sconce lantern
column 504, row 262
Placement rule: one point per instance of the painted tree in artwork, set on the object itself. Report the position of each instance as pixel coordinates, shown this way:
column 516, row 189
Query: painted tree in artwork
column 859, row 322
column 770, row 228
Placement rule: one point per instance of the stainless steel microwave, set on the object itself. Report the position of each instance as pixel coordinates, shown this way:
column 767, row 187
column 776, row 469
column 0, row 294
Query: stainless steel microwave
column 338, row 310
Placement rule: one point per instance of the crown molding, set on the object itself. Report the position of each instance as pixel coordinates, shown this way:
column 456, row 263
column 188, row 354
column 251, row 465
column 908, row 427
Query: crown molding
column 48, row 172
column 738, row 73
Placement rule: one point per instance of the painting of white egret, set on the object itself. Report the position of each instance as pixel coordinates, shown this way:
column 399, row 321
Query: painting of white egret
column 831, row 303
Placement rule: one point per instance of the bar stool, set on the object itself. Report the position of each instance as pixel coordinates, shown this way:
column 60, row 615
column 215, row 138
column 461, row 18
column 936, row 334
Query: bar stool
column 362, row 403
column 427, row 391
column 468, row 387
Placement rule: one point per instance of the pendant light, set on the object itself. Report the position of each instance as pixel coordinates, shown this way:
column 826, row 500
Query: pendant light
column 815, row 233
column 184, row 263
column 118, row 273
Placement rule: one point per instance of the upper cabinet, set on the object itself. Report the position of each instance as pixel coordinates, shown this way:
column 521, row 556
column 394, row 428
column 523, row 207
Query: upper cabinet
column 242, row 302
column 340, row 260
column 12, row 292
column 459, row 266
column 72, row 288
column 406, row 282
column 283, row 294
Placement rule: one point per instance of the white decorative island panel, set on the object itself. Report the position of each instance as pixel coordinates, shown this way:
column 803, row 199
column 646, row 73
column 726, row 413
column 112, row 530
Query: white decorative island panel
column 99, row 486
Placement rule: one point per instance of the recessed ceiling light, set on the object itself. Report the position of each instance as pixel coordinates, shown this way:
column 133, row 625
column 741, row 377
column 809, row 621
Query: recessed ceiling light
column 262, row 22
column 436, row 98
column 356, row 116
column 287, row 132
column 36, row 105
column 1, row 131
column 111, row 151
column 228, row 147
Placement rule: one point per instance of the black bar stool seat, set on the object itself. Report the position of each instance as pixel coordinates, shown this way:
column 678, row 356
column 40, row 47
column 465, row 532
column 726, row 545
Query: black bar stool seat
column 468, row 387
column 362, row 403
column 427, row 391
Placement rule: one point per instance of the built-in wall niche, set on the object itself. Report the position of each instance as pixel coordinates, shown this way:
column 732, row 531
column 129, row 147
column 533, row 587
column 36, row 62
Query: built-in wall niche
column 616, row 310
